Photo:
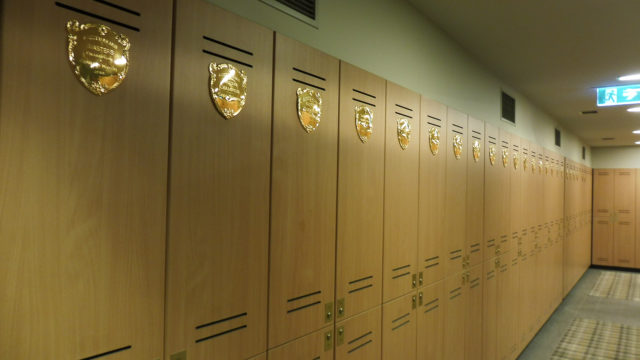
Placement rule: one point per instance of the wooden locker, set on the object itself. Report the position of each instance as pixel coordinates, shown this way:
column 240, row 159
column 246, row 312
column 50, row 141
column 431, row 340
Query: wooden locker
column 527, row 293
column 260, row 357
column 475, row 193
column 401, row 192
column 360, row 191
column 431, row 321
column 399, row 328
column 624, row 243
column 624, row 183
column 506, row 298
column 303, row 191
column 83, row 179
column 455, row 207
column 360, row 337
column 473, row 318
column 492, row 204
column 455, row 312
column 219, row 190
column 504, row 239
column 433, row 155
column 317, row 345
column 603, row 192
column 490, row 270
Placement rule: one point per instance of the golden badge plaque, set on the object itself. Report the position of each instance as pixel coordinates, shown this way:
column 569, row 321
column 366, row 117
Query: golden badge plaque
column 364, row 122
column 228, row 86
column 539, row 166
column 516, row 161
column 476, row 150
column 505, row 157
column 309, row 108
column 457, row 146
column 99, row 57
column 404, row 133
column 434, row 140
column 492, row 154
column 525, row 161
column 533, row 165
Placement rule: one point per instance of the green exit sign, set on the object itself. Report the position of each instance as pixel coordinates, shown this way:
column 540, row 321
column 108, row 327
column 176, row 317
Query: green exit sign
column 619, row 95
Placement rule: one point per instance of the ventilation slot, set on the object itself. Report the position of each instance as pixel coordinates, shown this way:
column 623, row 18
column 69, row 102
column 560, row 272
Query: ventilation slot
column 458, row 126
column 227, row 58
column 308, row 84
column 363, row 102
column 431, row 262
column 221, row 321
column 404, row 107
column 475, row 248
column 457, row 132
column 491, row 274
column 361, row 337
column 221, row 333
column 477, row 132
column 96, row 16
column 398, row 319
column 310, row 74
column 364, row 93
column 491, row 243
column 308, row 297
column 432, row 124
column 116, row 6
column 361, row 283
column 403, row 115
column 432, row 305
column 475, row 283
column 434, row 118
column 239, row 326
column 304, row 7
column 455, row 293
column 456, row 254
column 107, row 353
column 475, row 137
column 508, row 108
column 558, row 137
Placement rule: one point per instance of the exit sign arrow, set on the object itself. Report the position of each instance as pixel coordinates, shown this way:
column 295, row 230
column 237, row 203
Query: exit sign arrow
column 618, row 95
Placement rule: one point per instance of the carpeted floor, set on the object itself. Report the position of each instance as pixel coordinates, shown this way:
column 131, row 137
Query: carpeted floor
column 593, row 339
column 617, row 285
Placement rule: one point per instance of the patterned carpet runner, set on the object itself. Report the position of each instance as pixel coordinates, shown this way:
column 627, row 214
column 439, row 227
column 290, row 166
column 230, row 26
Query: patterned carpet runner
column 592, row 339
column 617, row 285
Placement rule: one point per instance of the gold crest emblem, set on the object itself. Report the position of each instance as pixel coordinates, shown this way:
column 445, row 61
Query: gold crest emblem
column 505, row 157
column 516, row 161
column 434, row 140
column 457, row 146
column 228, row 89
column 404, row 133
column 539, row 166
column 492, row 154
column 99, row 57
column 309, row 109
column 525, row 161
column 364, row 122
column 533, row 165
column 476, row 150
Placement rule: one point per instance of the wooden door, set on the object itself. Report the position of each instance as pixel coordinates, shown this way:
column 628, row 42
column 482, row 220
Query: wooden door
column 433, row 155
column 360, row 191
column 303, row 191
column 603, row 181
column 473, row 319
column 399, row 328
column 492, row 204
column 401, row 191
column 219, row 191
column 475, row 193
column 83, row 180
column 455, row 312
column 505, row 238
column 490, row 270
column 455, row 207
column 430, row 313
column 318, row 346
column 360, row 337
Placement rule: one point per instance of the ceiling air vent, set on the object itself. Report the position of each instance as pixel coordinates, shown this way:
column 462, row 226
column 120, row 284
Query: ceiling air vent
column 558, row 137
column 508, row 108
column 589, row 112
column 608, row 138
column 303, row 10
column 584, row 153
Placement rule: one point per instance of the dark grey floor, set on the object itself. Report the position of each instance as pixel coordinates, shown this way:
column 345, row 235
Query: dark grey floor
column 579, row 304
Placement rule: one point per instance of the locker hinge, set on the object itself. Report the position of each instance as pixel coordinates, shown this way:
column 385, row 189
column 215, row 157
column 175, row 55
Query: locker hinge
column 340, row 305
column 328, row 310
column 328, row 340
column 182, row 355
column 340, row 336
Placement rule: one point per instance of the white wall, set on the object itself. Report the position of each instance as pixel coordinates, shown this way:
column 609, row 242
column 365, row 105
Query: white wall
column 615, row 157
column 391, row 39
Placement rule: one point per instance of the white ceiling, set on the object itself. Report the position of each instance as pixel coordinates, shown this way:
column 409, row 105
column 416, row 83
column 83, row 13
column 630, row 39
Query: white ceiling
column 555, row 52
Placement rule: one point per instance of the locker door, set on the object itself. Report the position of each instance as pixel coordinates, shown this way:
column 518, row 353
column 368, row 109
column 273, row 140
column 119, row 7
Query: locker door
column 516, row 195
column 83, row 180
column 603, row 195
column 455, row 311
column 602, row 241
column 360, row 191
column 219, row 197
column 455, row 207
column 505, row 324
column 303, row 191
column 473, row 320
column 475, row 193
column 360, row 337
column 624, row 245
column 401, row 191
column 431, row 321
column 624, row 193
column 433, row 155
column 527, row 294
column 504, row 224
column 317, row 345
column 492, row 204
column 399, row 328
column 490, row 270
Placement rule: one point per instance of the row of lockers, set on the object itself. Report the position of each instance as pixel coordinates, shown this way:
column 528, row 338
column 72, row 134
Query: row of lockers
column 162, row 220
column 615, row 217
